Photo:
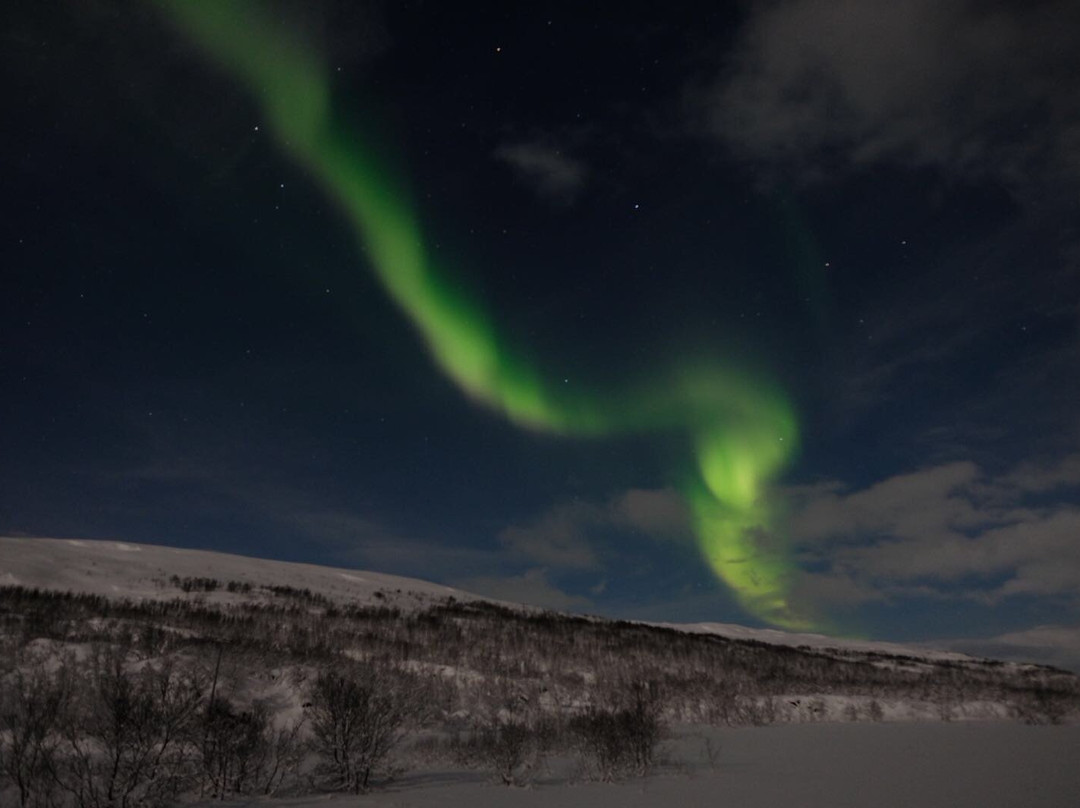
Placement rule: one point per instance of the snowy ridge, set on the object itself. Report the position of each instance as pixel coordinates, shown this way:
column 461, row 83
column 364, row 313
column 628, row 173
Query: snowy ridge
column 143, row 571
column 820, row 642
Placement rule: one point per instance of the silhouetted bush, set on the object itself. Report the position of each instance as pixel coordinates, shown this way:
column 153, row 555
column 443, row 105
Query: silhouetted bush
column 356, row 718
column 33, row 705
column 506, row 746
column 621, row 737
column 234, row 746
column 127, row 737
column 1040, row 706
column 874, row 711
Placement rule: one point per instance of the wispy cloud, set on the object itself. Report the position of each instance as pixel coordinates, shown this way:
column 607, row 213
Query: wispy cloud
column 564, row 536
column 1052, row 644
column 947, row 531
column 558, row 537
column 976, row 89
column 548, row 169
column 531, row 587
column 348, row 538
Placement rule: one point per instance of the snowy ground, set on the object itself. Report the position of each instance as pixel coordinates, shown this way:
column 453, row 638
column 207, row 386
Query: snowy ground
column 802, row 766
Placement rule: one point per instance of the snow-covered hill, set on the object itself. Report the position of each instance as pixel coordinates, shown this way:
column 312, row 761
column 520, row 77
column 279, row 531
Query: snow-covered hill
column 142, row 571
column 816, row 641
column 160, row 599
column 261, row 635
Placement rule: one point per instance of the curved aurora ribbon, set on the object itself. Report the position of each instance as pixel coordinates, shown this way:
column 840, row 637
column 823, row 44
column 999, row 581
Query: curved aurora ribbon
column 742, row 430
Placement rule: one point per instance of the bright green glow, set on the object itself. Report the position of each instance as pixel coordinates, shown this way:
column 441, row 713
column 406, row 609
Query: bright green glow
column 741, row 430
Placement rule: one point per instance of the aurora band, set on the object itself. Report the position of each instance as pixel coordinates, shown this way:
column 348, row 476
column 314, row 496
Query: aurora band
column 741, row 429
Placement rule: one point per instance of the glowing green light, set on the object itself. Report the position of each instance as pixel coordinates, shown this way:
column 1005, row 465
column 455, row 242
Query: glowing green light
column 741, row 430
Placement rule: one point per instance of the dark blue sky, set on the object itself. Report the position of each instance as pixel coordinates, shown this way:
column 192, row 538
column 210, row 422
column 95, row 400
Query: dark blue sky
column 876, row 202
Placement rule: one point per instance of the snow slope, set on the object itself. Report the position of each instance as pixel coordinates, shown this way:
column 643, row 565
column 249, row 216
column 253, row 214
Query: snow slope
column 119, row 569
column 816, row 641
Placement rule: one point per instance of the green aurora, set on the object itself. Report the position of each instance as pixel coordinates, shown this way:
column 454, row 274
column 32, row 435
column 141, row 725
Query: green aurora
column 741, row 429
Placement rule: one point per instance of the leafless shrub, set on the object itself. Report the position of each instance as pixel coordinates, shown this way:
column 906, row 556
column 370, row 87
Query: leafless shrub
column 126, row 743
column 506, row 746
column 621, row 736
column 284, row 757
column 356, row 718
column 945, row 703
column 874, row 711
column 722, row 703
column 509, row 735
column 235, row 746
column 241, row 752
column 33, row 704
column 757, row 712
column 1040, row 707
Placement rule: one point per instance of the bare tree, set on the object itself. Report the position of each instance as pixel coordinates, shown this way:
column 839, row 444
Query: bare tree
column 356, row 717
column 620, row 735
column 235, row 747
column 874, row 711
column 32, row 706
column 126, row 745
column 509, row 746
column 241, row 752
column 508, row 733
column 285, row 752
column 1040, row 706
column 508, row 743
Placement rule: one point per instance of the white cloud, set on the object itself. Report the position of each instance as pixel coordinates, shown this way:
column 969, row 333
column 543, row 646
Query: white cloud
column 563, row 536
column 532, row 588
column 558, row 538
column 1031, row 477
column 1051, row 644
column 548, row 169
column 978, row 89
column 828, row 513
column 657, row 512
column 362, row 542
column 946, row 531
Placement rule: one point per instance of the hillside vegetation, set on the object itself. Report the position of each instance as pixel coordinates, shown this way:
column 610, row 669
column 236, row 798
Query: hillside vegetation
column 218, row 688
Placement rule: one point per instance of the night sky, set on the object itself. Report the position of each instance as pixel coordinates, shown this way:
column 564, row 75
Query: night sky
column 765, row 314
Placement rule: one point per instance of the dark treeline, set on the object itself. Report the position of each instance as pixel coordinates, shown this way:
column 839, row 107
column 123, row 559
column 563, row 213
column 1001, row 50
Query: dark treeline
column 704, row 677
column 561, row 657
